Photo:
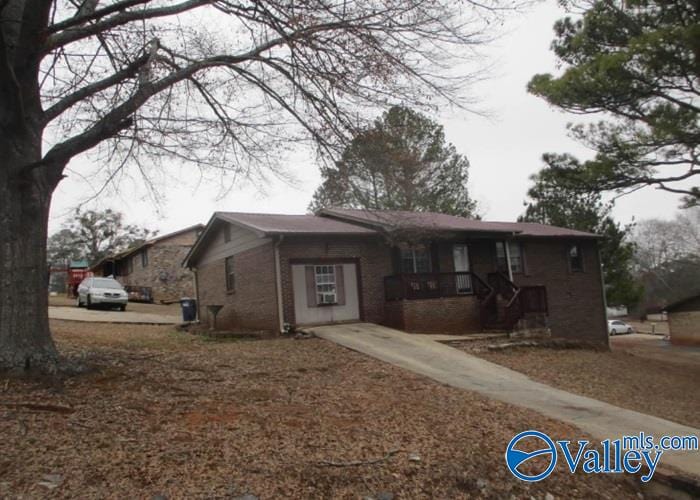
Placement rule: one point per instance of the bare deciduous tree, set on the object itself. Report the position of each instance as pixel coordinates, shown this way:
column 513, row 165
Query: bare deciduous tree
column 216, row 83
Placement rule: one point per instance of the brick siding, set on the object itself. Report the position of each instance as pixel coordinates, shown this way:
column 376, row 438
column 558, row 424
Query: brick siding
column 253, row 303
column 684, row 327
column 456, row 315
column 575, row 299
column 372, row 255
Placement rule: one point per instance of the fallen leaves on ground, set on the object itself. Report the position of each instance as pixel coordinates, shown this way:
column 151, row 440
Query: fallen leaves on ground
column 661, row 387
column 165, row 413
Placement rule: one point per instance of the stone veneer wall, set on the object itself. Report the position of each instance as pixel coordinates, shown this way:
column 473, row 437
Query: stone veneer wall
column 164, row 273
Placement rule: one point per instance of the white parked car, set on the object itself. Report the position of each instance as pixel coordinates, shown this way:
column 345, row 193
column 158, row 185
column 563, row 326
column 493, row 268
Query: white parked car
column 616, row 326
column 101, row 291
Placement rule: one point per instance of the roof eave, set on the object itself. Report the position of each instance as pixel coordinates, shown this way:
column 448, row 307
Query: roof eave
column 186, row 262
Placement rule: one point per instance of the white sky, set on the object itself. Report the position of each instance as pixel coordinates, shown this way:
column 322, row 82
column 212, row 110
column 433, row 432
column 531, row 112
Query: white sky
column 504, row 150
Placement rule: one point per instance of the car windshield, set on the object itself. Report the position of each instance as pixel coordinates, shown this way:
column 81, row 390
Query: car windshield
column 106, row 283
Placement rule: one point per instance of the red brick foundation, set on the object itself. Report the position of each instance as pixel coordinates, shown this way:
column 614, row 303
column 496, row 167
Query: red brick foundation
column 452, row 315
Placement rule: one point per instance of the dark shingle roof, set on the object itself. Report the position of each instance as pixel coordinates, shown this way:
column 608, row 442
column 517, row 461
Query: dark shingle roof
column 270, row 224
column 156, row 239
column 398, row 219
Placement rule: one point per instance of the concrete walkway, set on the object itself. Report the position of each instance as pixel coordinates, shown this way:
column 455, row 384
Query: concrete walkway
column 422, row 355
column 110, row 316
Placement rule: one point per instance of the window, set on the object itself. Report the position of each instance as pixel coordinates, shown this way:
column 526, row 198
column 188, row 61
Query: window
column 144, row 257
column 230, row 277
column 415, row 259
column 575, row 259
column 129, row 265
column 515, row 251
column 326, row 292
column 227, row 233
column 516, row 257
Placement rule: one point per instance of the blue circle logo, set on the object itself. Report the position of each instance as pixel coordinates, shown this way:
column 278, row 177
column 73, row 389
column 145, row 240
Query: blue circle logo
column 516, row 457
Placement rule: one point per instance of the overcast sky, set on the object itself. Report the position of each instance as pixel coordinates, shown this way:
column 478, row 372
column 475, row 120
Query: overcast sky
column 504, row 150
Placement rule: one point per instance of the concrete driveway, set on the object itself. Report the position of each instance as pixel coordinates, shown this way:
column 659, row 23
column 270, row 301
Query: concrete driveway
column 111, row 316
column 420, row 354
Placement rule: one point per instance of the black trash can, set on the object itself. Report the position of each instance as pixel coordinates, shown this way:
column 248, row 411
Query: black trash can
column 189, row 309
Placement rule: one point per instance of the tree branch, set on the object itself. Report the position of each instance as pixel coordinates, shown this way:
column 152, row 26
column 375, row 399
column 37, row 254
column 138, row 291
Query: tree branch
column 82, row 18
column 119, row 118
column 10, row 85
column 71, row 35
column 89, row 90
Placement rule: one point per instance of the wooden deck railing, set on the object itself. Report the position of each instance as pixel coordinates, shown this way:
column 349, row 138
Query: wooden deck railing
column 433, row 285
column 521, row 301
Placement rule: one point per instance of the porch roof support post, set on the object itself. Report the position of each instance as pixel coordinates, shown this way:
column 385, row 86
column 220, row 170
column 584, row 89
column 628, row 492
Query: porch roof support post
column 510, row 269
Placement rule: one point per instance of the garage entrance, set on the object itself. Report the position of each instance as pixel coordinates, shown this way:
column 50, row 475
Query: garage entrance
column 325, row 292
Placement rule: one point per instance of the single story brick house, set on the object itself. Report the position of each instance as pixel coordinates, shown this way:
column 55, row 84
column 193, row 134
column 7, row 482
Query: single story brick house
column 415, row 271
column 152, row 271
column 684, row 321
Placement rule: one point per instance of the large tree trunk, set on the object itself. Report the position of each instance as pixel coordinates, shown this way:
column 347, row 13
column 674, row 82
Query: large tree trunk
column 25, row 339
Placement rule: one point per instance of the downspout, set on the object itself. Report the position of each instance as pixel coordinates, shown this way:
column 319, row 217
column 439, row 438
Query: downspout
column 605, row 300
column 506, row 244
column 278, row 282
column 196, row 292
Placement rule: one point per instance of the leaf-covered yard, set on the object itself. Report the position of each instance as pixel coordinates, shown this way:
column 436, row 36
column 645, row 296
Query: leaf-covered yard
column 661, row 380
column 164, row 413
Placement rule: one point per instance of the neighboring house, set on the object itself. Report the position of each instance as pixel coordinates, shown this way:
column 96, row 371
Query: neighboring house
column 684, row 321
column 152, row 271
column 419, row 272
column 617, row 311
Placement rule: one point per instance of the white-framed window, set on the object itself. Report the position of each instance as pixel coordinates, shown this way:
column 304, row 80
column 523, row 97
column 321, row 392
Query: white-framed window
column 415, row 259
column 575, row 259
column 230, row 274
column 516, row 257
column 326, row 291
column 515, row 251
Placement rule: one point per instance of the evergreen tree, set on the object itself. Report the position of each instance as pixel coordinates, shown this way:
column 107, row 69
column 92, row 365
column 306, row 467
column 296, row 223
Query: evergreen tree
column 636, row 62
column 552, row 202
column 402, row 162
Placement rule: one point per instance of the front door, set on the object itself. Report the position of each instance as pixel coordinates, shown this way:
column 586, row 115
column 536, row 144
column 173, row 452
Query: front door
column 460, row 254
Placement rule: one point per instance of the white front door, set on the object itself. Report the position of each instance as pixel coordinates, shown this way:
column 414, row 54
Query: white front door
column 460, row 254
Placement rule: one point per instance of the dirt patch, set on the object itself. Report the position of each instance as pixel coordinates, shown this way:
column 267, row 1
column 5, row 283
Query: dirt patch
column 620, row 377
column 168, row 414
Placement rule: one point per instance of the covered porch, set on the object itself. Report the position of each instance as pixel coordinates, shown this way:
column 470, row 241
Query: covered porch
column 457, row 285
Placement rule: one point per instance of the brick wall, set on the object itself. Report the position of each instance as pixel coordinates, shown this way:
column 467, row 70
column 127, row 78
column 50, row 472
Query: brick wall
column 457, row 315
column 253, row 303
column 684, row 327
column 373, row 257
column 163, row 272
column 575, row 299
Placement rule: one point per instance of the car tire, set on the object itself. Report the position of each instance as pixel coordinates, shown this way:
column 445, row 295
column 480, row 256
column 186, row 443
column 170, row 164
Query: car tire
column 78, row 303
column 629, row 330
column 89, row 302
column 613, row 332
column 122, row 308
